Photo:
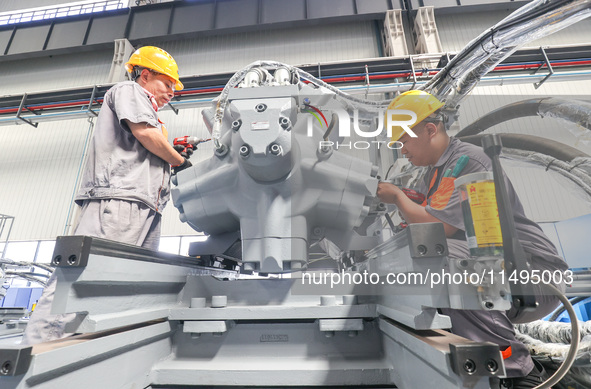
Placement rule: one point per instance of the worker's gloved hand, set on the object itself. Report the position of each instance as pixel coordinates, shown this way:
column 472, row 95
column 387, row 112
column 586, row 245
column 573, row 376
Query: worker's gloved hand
column 388, row 192
column 186, row 163
column 184, row 151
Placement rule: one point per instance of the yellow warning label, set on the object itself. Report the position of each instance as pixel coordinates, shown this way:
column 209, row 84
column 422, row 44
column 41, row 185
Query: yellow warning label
column 483, row 205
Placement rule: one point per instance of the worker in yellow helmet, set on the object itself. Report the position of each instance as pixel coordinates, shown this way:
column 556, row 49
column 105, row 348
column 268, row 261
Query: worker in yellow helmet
column 126, row 182
column 447, row 158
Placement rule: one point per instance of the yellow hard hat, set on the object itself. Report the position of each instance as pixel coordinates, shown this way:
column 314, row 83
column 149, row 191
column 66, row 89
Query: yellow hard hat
column 421, row 103
column 156, row 59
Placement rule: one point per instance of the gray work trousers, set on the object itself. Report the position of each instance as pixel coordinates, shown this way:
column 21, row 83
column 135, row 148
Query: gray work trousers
column 497, row 326
column 120, row 220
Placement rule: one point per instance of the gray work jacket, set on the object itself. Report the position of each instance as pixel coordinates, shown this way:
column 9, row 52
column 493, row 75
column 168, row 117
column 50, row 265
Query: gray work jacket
column 117, row 165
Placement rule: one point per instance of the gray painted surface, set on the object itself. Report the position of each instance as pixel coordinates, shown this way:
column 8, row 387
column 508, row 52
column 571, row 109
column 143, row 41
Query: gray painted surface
column 26, row 40
column 67, row 35
column 107, row 29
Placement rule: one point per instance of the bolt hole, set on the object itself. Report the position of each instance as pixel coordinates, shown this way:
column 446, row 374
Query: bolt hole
column 72, row 259
column 422, row 249
column 464, row 263
column 6, row 367
column 439, row 249
column 469, row 366
column 260, row 107
column 489, row 305
column 56, row 261
column 492, row 365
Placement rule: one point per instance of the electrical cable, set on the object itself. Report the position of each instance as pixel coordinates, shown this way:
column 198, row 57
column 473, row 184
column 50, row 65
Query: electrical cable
column 334, row 119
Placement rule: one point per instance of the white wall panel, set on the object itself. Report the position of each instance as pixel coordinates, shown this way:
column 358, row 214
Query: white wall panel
column 458, row 29
column 55, row 72
column 38, row 169
column 294, row 46
column 17, row 5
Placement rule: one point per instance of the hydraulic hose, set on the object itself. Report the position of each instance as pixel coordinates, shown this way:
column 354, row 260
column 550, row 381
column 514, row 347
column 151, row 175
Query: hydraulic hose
column 532, row 143
column 572, row 110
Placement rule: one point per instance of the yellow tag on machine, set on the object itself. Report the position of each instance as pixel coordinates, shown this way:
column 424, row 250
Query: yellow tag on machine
column 481, row 215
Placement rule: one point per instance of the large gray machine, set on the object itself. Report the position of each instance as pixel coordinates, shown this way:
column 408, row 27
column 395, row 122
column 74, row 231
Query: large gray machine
column 276, row 196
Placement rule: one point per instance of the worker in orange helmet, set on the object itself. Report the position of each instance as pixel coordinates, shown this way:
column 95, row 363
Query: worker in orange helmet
column 446, row 159
column 126, row 181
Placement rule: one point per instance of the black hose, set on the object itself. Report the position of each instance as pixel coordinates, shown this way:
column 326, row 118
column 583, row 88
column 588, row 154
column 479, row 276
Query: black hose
column 500, row 115
column 572, row 110
column 532, row 143
column 573, row 301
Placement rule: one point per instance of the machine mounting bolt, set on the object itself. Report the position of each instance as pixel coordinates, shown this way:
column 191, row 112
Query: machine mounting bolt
column 422, row 249
column 236, row 124
column 221, row 151
column 275, row 149
column 285, row 123
column 244, row 151
column 260, row 107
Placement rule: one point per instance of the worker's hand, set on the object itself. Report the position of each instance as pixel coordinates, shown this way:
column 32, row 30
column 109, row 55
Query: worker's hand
column 184, row 151
column 186, row 163
column 388, row 193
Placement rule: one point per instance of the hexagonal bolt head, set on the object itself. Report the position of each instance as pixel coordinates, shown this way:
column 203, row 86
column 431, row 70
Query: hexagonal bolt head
column 275, row 149
column 244, row 151
column 236, row 124
column 285, row 123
